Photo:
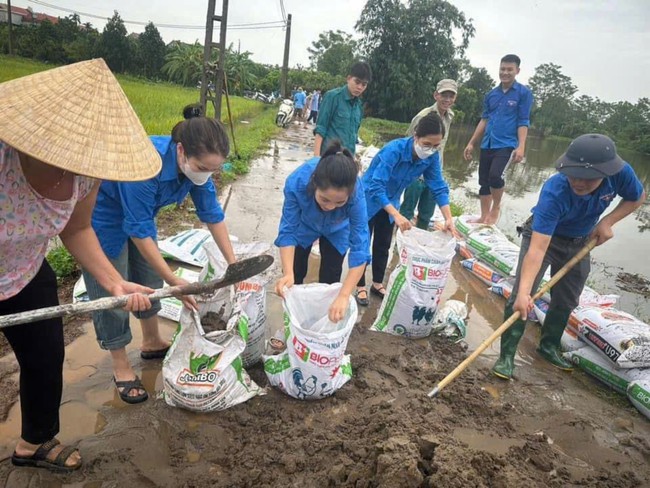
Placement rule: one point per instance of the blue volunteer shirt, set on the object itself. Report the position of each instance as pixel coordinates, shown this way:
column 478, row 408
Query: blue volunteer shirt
column 303, row 221
column 299, row 99
column 505, row 113
column 315, row 101
column 394, row 168
column 128, row 209
column 559, row 211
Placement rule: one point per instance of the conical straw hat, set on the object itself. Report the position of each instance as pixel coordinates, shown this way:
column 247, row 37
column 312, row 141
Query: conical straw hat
column 77, row 118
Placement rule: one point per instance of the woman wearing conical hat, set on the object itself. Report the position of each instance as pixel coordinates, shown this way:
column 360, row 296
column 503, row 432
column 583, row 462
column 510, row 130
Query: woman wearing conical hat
column 124, row 221
column 61, row 131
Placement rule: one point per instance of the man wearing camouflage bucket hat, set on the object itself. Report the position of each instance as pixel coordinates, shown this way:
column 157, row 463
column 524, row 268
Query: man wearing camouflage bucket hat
column 590, row 176
column 61, row 131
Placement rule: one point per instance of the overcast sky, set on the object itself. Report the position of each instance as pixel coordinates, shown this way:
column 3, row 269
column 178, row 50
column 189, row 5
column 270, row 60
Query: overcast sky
column 603, row 45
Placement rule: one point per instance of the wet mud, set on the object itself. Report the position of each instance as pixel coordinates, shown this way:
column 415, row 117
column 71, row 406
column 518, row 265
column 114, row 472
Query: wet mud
column 544, row 428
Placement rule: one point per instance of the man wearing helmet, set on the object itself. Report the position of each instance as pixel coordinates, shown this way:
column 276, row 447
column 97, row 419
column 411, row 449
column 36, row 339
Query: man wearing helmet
column 590, row 176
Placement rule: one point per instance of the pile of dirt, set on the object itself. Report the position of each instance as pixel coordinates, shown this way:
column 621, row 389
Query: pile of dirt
column 380, row 430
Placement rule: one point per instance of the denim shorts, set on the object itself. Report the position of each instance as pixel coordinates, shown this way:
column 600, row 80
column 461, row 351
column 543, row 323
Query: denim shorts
column 112, row 326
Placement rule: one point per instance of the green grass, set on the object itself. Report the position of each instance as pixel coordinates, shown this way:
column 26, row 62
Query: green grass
column 377, row 131
column 160, row 105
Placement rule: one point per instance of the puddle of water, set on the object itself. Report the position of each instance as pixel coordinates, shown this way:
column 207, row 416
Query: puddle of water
column 484, row 442
column 88, row 387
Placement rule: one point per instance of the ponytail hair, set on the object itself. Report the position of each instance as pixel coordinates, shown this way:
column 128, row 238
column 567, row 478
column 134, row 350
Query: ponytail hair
column 199, row 134
column 337, row 169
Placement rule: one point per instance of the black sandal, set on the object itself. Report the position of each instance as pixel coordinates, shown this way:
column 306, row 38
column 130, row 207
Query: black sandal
column 361, row 301
column 127, row 387
column 39, row 458
column 378, row 291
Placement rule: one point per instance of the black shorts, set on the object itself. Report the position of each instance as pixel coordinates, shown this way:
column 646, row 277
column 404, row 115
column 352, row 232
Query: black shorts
column 492, row 166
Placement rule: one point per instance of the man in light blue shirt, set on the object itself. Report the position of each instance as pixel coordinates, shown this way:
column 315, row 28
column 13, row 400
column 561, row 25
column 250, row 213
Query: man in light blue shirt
column 503, row 129
column 299, row 102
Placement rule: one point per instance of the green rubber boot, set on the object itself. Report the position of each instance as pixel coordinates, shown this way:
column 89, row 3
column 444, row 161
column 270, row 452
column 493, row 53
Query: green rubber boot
column 549, row 344
column 505, row 365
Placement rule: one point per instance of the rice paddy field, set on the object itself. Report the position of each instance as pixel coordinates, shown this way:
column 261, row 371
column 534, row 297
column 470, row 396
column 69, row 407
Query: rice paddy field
column 159, row 106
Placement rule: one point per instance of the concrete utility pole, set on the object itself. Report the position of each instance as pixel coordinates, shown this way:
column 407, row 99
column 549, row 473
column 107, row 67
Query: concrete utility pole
column 209, row 69
column 11, row 37
column 285, row 63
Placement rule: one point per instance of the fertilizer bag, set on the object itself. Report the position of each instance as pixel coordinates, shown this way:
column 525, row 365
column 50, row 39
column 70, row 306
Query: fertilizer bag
column 251, row 293
column 639, row 394
column 203, row 371
column 620, row 337
column 416, row 284
column 314, row 364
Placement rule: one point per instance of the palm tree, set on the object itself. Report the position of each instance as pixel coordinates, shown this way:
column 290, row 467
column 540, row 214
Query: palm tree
column 240, row 71
column 184, row 63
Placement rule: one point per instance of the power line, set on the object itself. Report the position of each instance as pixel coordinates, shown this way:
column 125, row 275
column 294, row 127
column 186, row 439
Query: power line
column 277, row 24
column 284, row 12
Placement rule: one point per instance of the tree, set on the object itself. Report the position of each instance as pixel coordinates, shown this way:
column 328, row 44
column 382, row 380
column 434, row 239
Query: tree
column 184, row 63
column 410, row 47
column 152, row 51
column 114, row 46
column 548, row 81
column 475, row 83
column 240, row 71
column 333, row 52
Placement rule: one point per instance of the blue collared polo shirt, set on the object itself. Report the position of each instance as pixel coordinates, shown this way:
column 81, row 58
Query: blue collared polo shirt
column 128, row 209
column 505, row 112
column 303, row 221
column 394, row 168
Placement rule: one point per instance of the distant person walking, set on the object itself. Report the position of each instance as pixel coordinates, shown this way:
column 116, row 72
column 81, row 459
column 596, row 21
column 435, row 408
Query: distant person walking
column 342, row 110
column 502, row 130
column 313, row 107
column 299, row 103
column 418, row 192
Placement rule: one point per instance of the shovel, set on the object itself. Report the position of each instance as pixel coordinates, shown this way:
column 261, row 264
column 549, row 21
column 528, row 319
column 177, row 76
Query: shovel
column 236, row 272
column 513, row 318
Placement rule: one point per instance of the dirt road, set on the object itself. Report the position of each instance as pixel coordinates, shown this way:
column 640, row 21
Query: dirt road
column 546, row 428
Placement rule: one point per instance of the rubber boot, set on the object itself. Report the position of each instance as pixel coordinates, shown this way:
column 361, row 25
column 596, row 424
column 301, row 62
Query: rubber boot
column 505, row 365
column 549, row 344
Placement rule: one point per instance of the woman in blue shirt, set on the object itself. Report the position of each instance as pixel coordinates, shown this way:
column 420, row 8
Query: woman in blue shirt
column 324, row 199
column 123, row 220
column 567, row 215
column 394, row 168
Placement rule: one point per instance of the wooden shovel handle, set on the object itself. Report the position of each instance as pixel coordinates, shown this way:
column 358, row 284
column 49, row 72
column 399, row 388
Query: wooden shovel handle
column 513, row 318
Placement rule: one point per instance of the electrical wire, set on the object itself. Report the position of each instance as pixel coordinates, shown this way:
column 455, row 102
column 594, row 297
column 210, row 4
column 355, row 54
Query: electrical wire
column 277, row 24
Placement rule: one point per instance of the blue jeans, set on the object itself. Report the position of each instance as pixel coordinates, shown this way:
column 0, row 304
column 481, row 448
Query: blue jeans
column 112, row 326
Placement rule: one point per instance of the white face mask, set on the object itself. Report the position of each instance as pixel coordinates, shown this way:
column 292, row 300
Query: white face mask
column 422, row 152
column 196, row 177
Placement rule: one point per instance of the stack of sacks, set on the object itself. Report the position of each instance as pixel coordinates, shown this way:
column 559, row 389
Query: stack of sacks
column 619, row 352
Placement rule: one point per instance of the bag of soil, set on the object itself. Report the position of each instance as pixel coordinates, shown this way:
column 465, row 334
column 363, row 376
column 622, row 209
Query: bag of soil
column 416, row 284
column 595, row 365
column 619, row 336
column 250, row 293
column 639, row 394
column 481, row 271
column 203, row 369
column 314, row 364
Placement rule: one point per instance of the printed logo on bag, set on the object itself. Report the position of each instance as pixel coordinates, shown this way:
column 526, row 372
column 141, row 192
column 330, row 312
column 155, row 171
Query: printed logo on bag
column 246, row 286
column 423, row 273
column 640, row 395
column 602, row 344
column 307, row 355
column 201, row 372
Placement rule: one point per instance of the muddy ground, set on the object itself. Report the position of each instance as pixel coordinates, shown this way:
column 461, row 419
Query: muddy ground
column 545, row 428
